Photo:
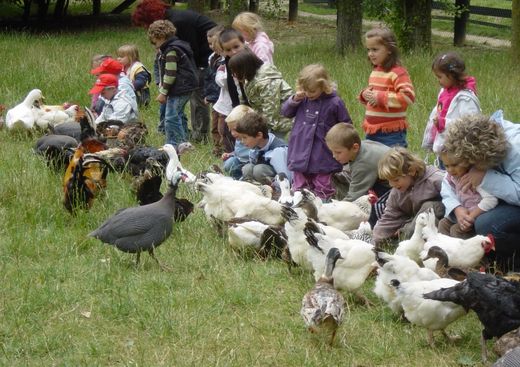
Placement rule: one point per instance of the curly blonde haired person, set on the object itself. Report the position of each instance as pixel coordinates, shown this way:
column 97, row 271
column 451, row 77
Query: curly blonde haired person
column 492, row 146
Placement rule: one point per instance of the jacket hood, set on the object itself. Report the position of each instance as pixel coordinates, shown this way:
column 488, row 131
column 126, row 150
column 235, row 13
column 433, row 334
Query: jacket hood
column 471, row 84
column 268, row 71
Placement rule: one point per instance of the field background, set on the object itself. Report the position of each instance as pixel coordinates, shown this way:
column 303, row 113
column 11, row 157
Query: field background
column 68, row 300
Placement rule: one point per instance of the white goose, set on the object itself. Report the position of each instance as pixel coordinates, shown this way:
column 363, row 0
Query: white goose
column 24, row 114
column 174, row 164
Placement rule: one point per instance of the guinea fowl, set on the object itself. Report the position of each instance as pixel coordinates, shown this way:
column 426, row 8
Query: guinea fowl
column 496, row 302
column 24, row 114
column 510, row 359
column 323, row 306
column 507, row 342
column 142, row 228
column 56, row 149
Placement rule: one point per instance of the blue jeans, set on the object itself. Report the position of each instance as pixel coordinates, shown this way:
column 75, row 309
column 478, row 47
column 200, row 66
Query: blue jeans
column 395, row 138
column 175, row 121
column 233, row 167
column 503, row 222
column 162, row 111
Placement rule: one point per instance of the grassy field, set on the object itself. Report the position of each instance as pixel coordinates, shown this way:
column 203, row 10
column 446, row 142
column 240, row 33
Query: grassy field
column 68, row 300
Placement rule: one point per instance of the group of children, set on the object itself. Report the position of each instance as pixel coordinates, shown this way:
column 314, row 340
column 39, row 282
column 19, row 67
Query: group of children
column 255, row 109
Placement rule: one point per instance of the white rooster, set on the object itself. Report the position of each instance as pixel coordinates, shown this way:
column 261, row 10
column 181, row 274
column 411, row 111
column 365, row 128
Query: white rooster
column 461, row 253
column 24, row 114
column 412, row 247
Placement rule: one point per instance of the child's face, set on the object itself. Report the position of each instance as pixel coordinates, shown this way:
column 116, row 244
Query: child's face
column 445, row 80
column 125, row 60
column 251, row 141
column 455, row 167
column 344, row 155
column 233, row 129
column 402, row 183
column 109, row 92
column 157, row 42
column 232, row 47
column 313, row 93
column 247, row 36
column 377, row 52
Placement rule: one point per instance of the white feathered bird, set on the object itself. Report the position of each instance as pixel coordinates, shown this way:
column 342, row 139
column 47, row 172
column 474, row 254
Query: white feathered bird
column 174, row 164
column 54, row 117
column 24, row 114
column 413, row 246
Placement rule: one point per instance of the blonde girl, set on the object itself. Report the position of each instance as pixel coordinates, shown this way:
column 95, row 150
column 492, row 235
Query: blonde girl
column 415, row 186
column 250, row 26
column 128, row 55
column 316, row 108
column 457, row 98
column 389, row 91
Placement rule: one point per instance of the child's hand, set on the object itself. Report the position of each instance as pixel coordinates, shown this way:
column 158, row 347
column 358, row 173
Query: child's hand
column 472, row 179
column 161, row 98
column 370, row 96
column 464, row 219
column 225, row 156
column 299, row 96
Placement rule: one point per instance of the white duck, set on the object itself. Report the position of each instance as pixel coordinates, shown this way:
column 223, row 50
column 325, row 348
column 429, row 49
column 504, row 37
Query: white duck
column 429, row 314
column 255, row 236
column 54, row 117
column 174, row 164
column 24, row 114
column 412, row 247
column 397, row 267
column 461, row 253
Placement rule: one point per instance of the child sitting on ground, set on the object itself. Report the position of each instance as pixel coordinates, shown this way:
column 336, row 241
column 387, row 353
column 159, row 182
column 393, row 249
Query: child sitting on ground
column 96, row 103
column 474, row 203
column 234, row 161
column 362, row 158
column 114, row 67
column 268, row 154
column 128, row 56
column 415, row 189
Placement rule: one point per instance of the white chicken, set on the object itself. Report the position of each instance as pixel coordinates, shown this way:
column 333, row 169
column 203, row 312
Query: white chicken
column 429, row 314
column 397, row 267
column 412, row 247
column 53, row 117
column 352, row 269
column 461, row 253
column 174, row 164
column 256, row 237
column 343, row 215
column 24, row 114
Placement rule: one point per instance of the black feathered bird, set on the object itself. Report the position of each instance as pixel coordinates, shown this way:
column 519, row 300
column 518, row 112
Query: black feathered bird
column 496, row 302
column 57, row 150
column 142, row 228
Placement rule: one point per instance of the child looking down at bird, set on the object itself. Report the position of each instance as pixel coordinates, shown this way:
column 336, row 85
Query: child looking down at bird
column 268, row 154
column 234, row 161
column 415, row 189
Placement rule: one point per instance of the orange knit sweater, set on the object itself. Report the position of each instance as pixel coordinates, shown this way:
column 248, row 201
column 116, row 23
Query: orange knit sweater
column 394, row 92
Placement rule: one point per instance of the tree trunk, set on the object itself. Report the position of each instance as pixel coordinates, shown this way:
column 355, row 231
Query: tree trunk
column 459, row 25
column 196, row 5
column 235, row 7
column 59, row 9
column 96, row 7
column 26, row 10
column 214, row 4
column 253, row 6
column 515, row 28
column 293, row 10
column 349, row 21
column 43, row 8
column 415, row 30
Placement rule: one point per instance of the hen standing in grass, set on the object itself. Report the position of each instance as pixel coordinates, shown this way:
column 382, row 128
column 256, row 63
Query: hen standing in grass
column 323, row 306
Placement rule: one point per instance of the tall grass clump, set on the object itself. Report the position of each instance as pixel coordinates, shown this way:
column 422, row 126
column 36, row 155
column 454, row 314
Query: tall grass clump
column 69, row 300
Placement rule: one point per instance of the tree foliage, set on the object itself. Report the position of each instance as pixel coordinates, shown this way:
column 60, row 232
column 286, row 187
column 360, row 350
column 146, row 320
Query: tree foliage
column 515, row 39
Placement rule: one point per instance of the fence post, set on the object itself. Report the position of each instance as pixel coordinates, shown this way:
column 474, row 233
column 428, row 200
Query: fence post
column 459, row 26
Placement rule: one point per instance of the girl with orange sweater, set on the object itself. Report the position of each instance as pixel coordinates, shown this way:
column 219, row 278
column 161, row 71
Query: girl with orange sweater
column 389, row 92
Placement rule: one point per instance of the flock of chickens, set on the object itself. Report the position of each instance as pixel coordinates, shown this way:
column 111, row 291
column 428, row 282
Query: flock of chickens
column 431, row 279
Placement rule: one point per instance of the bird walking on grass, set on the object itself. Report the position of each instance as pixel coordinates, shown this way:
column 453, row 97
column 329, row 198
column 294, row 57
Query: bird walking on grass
column 323, row 306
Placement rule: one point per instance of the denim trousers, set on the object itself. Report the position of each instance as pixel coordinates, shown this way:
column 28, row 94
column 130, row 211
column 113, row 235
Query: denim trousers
column 199, row 110
column 175, row 121
column 503, row 222
column 393, row 139
column 233, row 167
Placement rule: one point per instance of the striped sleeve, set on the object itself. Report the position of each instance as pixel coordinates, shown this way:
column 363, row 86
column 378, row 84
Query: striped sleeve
column 170, row 72
column 401, row 95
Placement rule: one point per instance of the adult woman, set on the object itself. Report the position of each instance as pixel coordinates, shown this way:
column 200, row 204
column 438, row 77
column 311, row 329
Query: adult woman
column 492, row 146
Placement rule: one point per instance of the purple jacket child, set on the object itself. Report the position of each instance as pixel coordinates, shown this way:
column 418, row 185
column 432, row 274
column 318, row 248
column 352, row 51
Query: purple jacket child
column 308, row 152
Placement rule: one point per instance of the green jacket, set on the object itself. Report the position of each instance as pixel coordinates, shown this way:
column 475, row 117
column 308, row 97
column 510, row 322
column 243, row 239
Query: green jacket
column 266, row 93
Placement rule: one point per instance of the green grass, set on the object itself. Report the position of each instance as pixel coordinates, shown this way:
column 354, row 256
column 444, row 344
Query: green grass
column 69, row 300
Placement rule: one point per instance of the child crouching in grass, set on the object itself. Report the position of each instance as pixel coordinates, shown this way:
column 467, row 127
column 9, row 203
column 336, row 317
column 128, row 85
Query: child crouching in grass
column 268, row 154
column 415, row 189
column 234, row 161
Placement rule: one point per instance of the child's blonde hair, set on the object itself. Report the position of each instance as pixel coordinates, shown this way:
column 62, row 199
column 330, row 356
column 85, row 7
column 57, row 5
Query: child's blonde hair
column 399, row 162
column 342, row 135
column 249, row 23
column 477, row 139
column 129, row 51
column 386, row 37
column 97, row 60
column 161, row 29
column 238, row 113
column 314, row 76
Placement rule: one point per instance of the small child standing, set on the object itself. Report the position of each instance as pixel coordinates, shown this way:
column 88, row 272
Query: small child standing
column 268, row 154
column 250, row 25
column 212, row 89
column 178, row 78
column 457, row 97
column 234, row 161
column 389, row 92
column 128, row 56
column 415, row 189
column 316, row 108
column 474, row 203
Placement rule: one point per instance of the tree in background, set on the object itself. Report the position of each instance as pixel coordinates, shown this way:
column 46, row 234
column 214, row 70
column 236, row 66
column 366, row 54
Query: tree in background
column 196, row 5
column 349, row 22
column 412, row 23
column 293, row 10
column 234, row 7
column 515, row 28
